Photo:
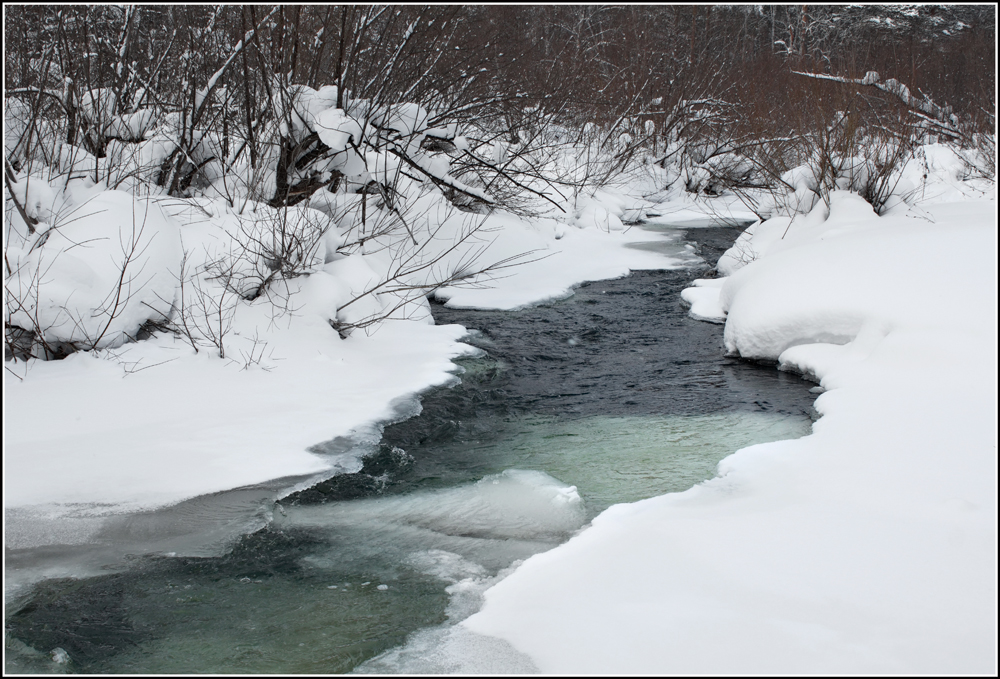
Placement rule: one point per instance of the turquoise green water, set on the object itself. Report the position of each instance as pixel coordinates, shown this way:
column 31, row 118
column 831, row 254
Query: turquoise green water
column 303, row 596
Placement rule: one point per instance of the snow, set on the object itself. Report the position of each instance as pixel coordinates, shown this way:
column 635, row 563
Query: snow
column 850, row 254
column 98, row 105
column 868, row 546
column 98, row 269
column 581, row 255
column 310, row 103
column 703, row 298
column 133, row 126
column 406, row 119
column 336, row 129
column 197, row 425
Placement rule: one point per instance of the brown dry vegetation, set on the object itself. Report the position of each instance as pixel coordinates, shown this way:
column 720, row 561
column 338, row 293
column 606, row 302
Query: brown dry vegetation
column 508, row 68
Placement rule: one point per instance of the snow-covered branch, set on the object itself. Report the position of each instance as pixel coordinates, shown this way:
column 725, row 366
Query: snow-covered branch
column 204, row 96
column 943, row 114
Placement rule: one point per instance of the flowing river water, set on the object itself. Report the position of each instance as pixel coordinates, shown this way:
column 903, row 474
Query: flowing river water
column 612, row 395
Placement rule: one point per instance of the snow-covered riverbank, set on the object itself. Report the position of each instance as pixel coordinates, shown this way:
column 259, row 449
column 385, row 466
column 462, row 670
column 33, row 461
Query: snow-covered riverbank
column 153, row 423
column 869, row 546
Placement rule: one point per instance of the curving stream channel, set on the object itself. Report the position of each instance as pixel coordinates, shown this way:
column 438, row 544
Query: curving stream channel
column 612, row 395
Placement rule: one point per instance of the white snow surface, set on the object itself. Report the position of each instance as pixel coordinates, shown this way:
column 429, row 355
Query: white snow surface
column 82, row 434
column 97, row 277
column 868, row 546
column 703, row 298
column 561, row 257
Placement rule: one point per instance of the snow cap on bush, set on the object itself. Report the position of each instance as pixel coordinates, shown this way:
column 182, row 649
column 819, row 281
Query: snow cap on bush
column 96, row 274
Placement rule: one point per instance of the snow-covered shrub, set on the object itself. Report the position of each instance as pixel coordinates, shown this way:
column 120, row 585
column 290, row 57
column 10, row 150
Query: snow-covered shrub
column 980, row 155
column 238, row 258
column 32, row 130
column 863, row 152
column 720, row 173
column 270, row 243
column 89, row 272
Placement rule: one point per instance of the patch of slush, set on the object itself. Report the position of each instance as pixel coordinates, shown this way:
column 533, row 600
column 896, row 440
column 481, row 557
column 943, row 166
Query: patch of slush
column 447, row 648
column 450, row 650
column 684, row 254
column 44, row 542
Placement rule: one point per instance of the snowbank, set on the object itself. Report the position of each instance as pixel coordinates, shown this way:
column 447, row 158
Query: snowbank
column 561, row 257
column 97, row 277
column 703, row 298
column 868, row 546
column 193, row 424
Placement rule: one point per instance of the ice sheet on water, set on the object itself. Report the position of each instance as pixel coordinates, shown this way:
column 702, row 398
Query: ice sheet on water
column 515, row 504
column 448, row 566
column 451, row 648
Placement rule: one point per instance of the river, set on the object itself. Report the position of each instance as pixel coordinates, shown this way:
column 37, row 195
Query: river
column 611, row 395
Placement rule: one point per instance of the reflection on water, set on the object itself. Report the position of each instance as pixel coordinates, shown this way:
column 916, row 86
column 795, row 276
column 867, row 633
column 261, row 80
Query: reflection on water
column 612, row 395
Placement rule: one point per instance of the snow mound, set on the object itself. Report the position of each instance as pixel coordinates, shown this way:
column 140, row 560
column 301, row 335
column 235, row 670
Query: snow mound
column 96, row 270
column 703, row 298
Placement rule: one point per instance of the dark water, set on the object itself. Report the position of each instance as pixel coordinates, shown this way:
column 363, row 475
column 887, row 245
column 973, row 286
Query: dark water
column 587, row 391
column 617, row 348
